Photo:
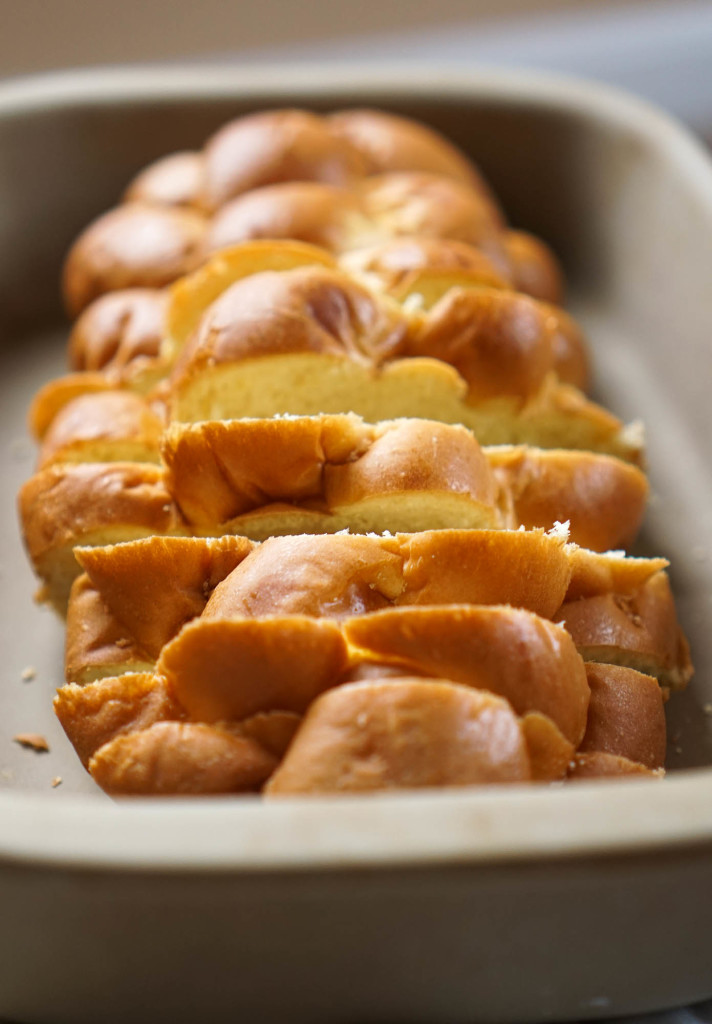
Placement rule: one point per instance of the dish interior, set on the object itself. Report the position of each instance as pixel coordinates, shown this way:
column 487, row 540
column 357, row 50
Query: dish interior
column 629, row 214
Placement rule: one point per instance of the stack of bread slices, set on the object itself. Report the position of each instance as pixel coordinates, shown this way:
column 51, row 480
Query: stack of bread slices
column 323, row 498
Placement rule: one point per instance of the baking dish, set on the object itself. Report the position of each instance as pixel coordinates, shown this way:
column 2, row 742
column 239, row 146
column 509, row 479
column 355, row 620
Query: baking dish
column 507, row 905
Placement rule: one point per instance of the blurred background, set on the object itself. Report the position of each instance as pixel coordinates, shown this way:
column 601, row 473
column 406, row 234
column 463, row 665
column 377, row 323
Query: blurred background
column 660, row 49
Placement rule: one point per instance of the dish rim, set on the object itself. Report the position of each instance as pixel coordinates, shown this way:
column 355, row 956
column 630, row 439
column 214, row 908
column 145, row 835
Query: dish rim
column 489, row 825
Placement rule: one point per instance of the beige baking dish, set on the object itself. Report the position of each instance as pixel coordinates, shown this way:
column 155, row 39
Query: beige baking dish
column 490, row 905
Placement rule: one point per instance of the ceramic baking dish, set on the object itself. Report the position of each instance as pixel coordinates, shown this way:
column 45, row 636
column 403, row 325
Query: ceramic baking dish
column 487, row 905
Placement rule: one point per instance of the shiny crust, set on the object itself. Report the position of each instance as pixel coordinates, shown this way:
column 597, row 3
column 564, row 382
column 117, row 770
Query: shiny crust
column 313, row 309
column 508, row 651
column 329, row 462
column 96, row 714
column 403, row 734
column 52, row 397
column 181, row 759
column 153, row 587
column 344, row 575
column 600, row 765
column 424, row 267
column 534, row 268
column 72, row 503
column 132, row 246
column 626, row 716
column 175, row 180
column 246, row 638
column 327, row 216
column 637, row 630
column 318, row 474
column 602, row 498
column 227, row 670
column 144, row 591
column 97, row 641
column 191, row 296
column 276, row 146
column 511, row 358
column 104, row 426
column 389, row 143
column 120, row 334
column 501, row 343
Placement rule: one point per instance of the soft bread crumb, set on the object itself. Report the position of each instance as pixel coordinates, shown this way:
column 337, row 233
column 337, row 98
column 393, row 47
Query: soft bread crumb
column 56, row 781
column 28, row 674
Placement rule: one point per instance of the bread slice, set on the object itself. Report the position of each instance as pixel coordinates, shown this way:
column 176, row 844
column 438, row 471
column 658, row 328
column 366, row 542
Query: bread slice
column 626, row 716
column 90, row 503
column 143, row 592
column 312, row 340
column 134, row 597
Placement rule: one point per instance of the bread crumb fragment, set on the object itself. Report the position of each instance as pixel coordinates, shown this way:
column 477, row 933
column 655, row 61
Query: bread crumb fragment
column 33, row 741
column 28, row 674
column 56, row 781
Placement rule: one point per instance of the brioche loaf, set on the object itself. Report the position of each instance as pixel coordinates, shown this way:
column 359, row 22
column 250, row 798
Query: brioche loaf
column 512, row 705
column 214, row 397
column 134, row 597
column 290, row 475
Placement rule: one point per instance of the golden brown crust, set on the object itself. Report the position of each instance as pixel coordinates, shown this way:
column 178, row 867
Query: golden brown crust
column 525, row 659
column 370, row 212
column 175, row 180
column 314, row 310
column 153, row 587
column 218, row 470
column 120, row 334
column 191, row 296
column 275, row 146
column 63, row 502
column 601, row 497
column 626, row 715
column 430, row 206
column 535, row 269
column 636, row 630
column 104, row 426
column 568, row 345
column 319, row 215
column 227, row 670
column 549, row 751
column 134, row 245
column 53, row 396
column 402, row 734
column 97, row 642
column 390, row 143
column 95, row 714
column 482, row 357
column 524, row 569
column 608, row 572
column 181, row 759
column 406, row 266
column 599, row 765
column 411, row 456
column 90, row 503
column 273, row 730
column 137, row 595
column 328, row 575
column 500, row 342
column 341, row 575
